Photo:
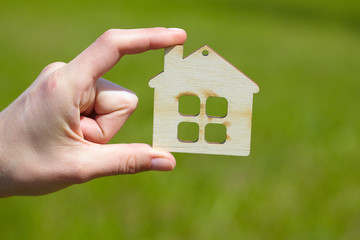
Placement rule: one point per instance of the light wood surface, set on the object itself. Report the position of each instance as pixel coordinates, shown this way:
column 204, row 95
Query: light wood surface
column 204, row 76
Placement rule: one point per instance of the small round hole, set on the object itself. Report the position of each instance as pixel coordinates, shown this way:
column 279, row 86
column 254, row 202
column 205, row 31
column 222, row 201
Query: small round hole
column 205, row 52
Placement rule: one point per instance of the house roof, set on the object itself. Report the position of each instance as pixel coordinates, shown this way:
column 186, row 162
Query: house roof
column 190, row 60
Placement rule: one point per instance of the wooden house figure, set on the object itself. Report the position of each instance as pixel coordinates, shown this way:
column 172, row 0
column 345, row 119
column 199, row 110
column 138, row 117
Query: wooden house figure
column 201, row 80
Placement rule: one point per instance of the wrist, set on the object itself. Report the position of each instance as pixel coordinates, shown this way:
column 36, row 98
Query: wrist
column 2, row 157
column 4, row 181
column 2, row 147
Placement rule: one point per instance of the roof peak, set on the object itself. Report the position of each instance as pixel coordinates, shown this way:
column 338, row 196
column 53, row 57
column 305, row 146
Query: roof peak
column 175, row 53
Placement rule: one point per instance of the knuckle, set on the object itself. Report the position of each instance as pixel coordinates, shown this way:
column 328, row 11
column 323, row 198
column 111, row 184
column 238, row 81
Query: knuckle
column 109, row 36
column 53, row 83
column 132, row 164
column 124, row 102
column 131, row 102
column 50, row 78
column 53, row 66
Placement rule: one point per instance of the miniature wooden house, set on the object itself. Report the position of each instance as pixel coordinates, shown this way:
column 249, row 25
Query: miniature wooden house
column 205, row 78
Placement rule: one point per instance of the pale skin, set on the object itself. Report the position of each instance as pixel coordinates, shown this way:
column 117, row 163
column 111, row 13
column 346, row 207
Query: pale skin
column 55, row 133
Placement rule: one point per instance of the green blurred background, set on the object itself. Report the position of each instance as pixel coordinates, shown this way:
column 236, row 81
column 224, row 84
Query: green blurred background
column 302, row 179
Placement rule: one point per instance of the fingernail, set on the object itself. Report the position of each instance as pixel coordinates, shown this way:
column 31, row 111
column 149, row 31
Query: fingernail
column 177, row 29
column 161, row 164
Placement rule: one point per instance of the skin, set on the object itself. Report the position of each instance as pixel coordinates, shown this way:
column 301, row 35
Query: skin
column 55, row 133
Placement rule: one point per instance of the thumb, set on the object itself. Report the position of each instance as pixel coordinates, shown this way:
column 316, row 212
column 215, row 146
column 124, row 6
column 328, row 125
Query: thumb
column 114, row 159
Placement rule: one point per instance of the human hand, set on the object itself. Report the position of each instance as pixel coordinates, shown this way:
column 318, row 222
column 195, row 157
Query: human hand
column 54, row 134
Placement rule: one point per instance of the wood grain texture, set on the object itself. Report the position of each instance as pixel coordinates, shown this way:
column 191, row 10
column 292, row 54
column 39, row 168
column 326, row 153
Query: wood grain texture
column 204, row 76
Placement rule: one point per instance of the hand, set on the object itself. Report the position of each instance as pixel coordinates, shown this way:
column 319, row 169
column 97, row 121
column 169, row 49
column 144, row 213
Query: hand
column 54, row 134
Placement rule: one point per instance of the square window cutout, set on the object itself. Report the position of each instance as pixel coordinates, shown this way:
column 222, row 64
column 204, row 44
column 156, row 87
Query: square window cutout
column 188, row 132
column 216, row 107
column 215, row 133
column 189, row 105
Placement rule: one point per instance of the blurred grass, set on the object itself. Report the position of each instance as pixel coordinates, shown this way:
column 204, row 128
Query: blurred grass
column 301, row 180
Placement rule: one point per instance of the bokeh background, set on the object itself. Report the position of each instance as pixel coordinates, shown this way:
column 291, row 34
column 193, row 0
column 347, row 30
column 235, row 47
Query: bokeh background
column 302, row 179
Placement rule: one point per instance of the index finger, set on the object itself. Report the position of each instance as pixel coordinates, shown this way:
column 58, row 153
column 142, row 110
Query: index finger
column 107, row 50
